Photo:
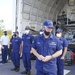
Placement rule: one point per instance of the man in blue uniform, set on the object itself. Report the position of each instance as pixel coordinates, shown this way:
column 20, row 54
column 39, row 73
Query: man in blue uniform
column 46, row 48
column 60, row 59
column 41, row 31
column 16, row 51
column 27, row 39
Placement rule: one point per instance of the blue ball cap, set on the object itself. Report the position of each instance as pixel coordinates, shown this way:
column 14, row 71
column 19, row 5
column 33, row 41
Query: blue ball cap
column 48, row 23
column 59, row 30
column 27, row 28
column 5, row 31
column 41, row 30
column 16, row 32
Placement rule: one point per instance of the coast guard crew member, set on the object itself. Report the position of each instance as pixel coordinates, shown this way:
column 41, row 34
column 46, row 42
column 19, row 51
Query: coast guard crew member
column 60, row 59
column 41, row 31
column 5, row 45
column 27, row 39
column 16, row 51
column 46, row 48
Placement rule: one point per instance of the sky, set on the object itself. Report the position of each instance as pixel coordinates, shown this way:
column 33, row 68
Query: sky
column 6, row 13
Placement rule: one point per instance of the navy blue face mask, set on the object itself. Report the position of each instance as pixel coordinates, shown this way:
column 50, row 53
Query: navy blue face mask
column 5, row 34
column 47, row 33
column 14, row 35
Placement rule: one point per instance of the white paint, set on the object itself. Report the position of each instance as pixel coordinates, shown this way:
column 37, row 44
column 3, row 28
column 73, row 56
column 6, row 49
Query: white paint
column 14, row 15
column 66, row 72
column 19, row 17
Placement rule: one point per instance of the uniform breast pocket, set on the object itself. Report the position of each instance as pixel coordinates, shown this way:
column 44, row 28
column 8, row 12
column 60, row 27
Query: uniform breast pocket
column 39, row 48
column 51, row 49
column 16, row 40
column 28, row 38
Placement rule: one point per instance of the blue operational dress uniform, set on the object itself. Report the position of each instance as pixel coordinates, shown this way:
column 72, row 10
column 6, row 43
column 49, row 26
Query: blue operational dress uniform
column 60, row 62
column 46, row 46
column 16, row 41
column 26, row 56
